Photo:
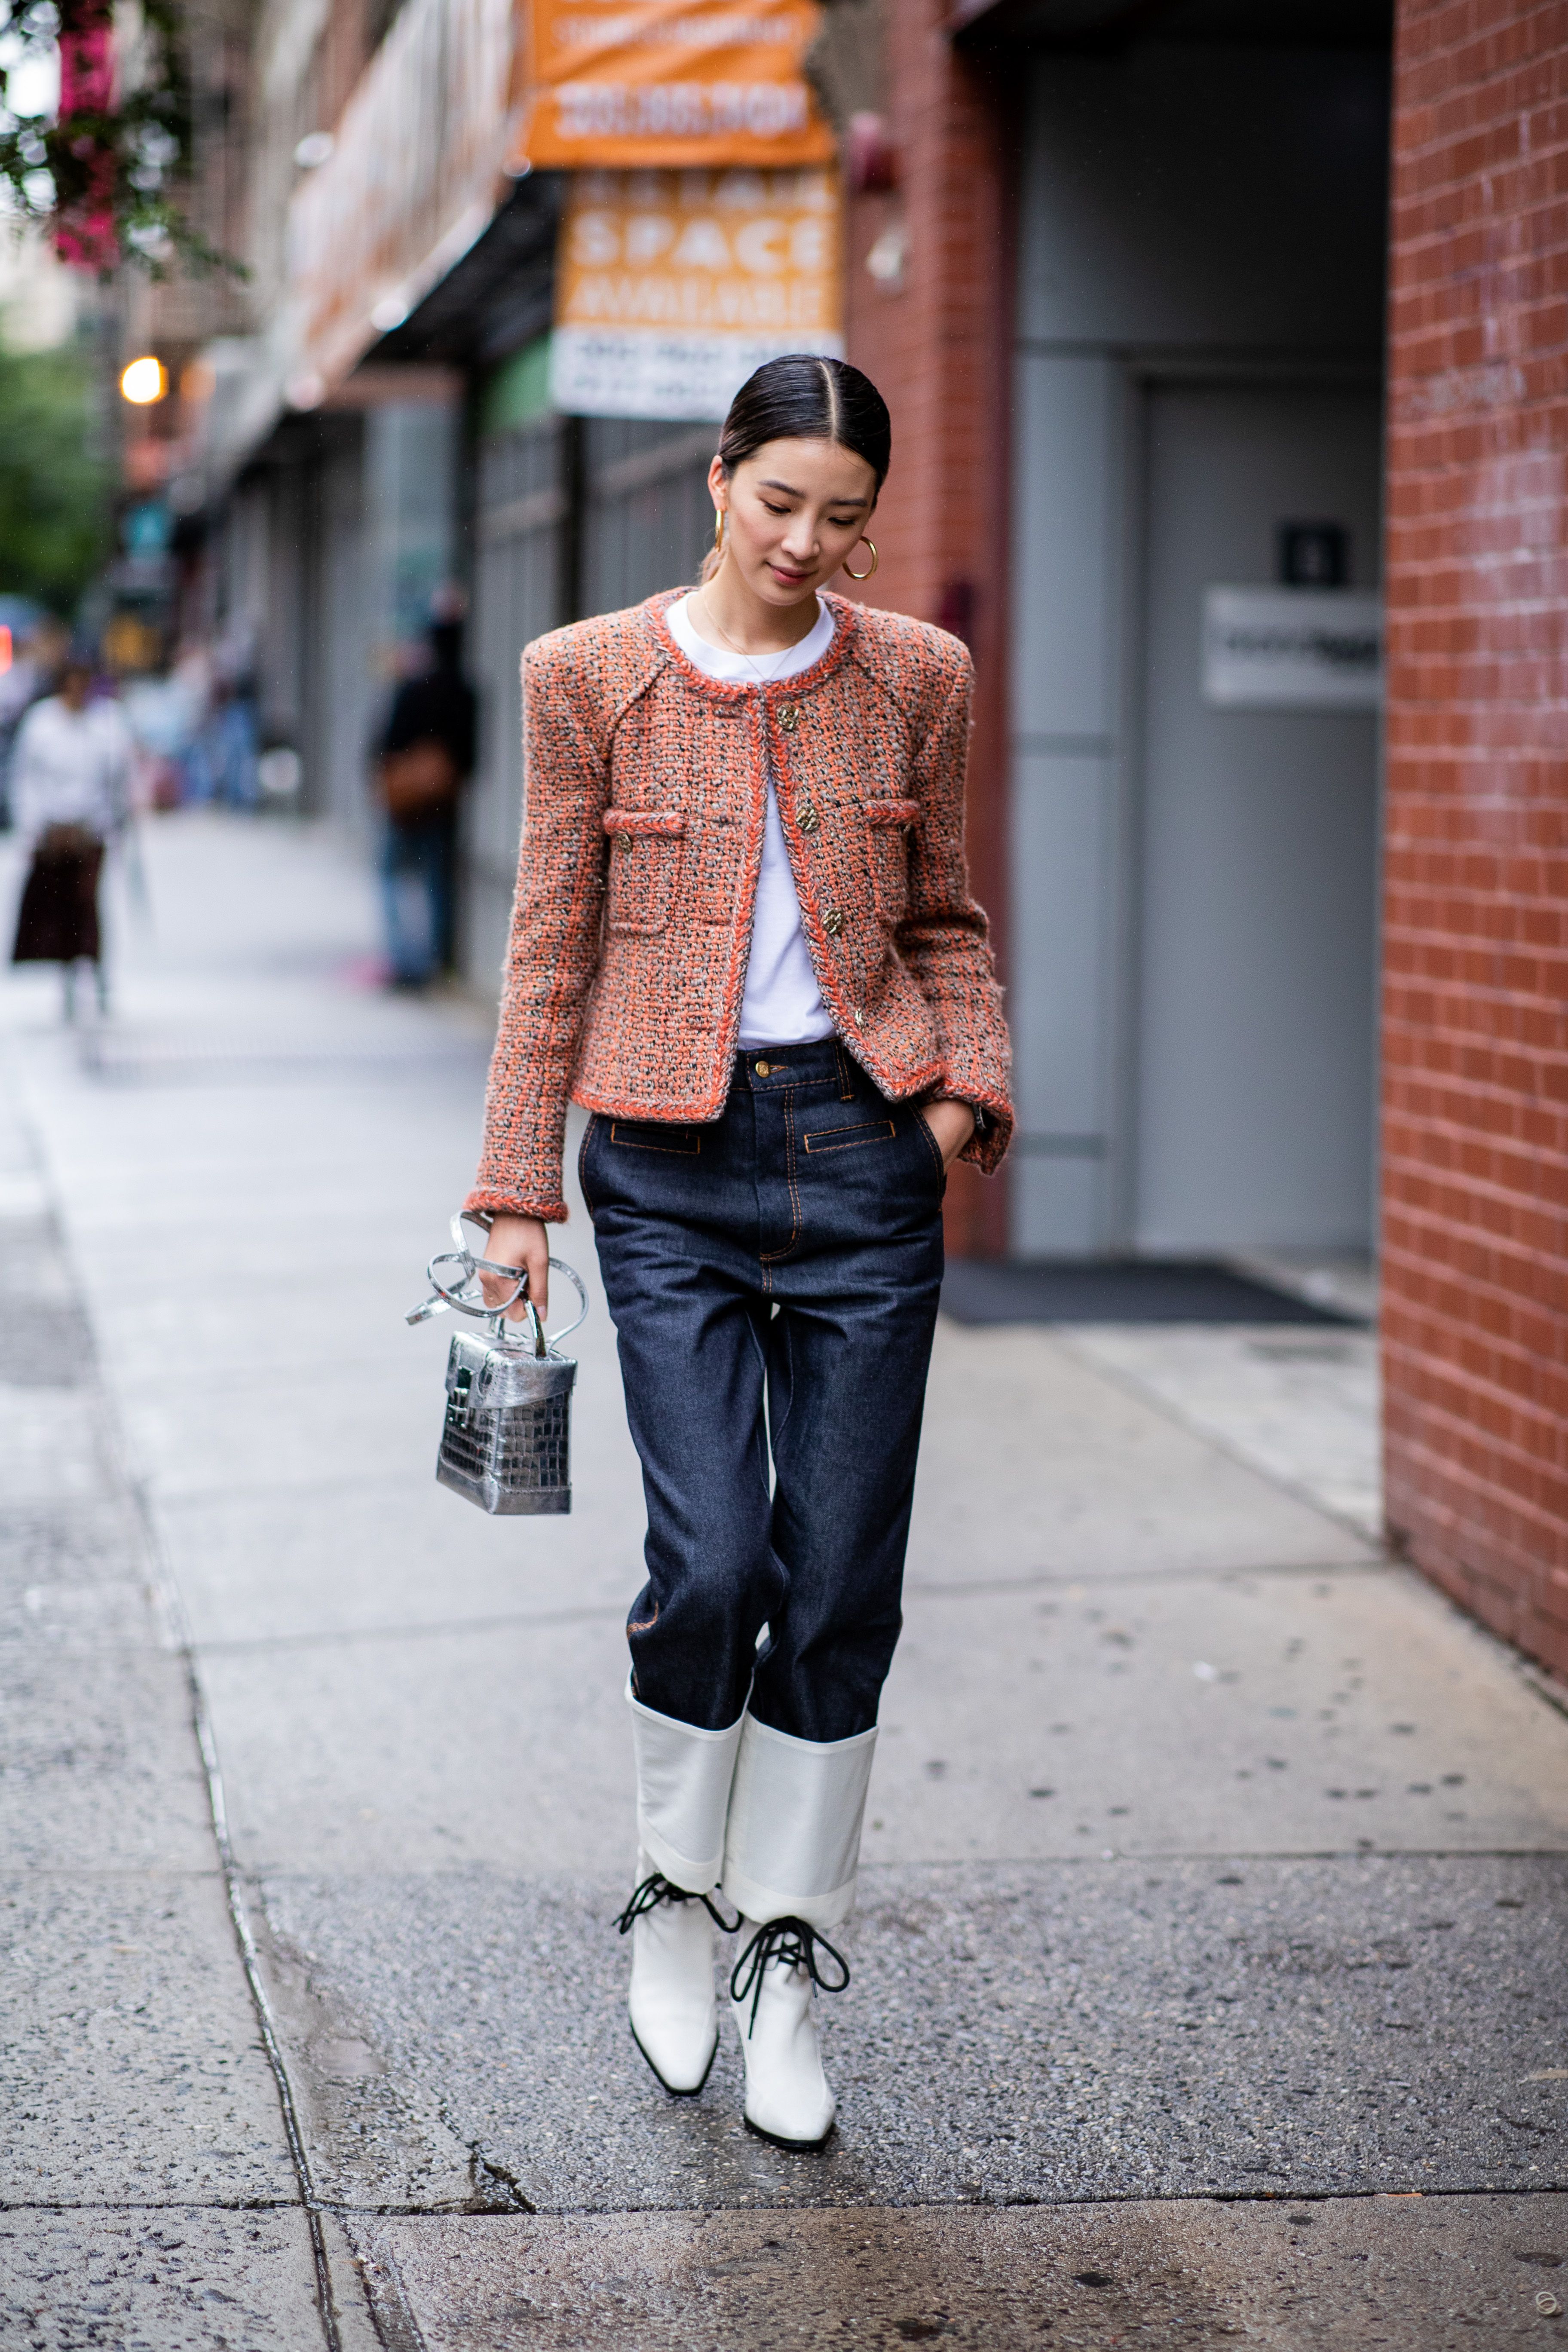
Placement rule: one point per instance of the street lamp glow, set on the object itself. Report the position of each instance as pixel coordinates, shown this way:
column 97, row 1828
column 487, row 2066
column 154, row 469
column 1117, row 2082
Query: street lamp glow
column 144, row 381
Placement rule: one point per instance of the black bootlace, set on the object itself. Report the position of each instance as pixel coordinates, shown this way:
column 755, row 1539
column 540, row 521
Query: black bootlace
column 656, row 1889
column 792, row 1944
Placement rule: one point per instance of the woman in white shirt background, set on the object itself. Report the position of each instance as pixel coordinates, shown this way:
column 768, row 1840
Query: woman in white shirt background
column 71, row 796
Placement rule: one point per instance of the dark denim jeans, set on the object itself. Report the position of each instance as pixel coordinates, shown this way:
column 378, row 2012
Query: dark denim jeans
column 792, row 1246
column 418, row 859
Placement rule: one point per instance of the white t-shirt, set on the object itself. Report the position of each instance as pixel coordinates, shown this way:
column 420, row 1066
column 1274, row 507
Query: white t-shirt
column 783, row 1004
column 71, row 767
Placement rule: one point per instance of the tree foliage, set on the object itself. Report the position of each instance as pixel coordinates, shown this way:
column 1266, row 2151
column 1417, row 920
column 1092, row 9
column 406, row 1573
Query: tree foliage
column 56, row 493
column 107, row 175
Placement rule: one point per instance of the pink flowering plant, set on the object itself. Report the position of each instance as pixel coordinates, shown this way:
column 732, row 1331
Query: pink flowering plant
column 104, row 171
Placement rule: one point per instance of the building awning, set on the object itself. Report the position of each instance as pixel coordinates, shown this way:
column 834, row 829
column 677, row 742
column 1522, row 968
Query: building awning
column 424, row 234
column 415, row 174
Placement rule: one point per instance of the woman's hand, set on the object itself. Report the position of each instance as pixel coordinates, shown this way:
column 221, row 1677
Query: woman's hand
column 518, row 1241
column 953, row 1124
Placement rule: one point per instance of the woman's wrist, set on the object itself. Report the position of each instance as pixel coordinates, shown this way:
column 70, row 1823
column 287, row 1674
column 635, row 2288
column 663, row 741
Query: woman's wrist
column 952, row 1133
column 976, row 1110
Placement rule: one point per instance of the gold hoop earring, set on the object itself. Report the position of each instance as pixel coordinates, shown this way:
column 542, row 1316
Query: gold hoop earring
column 876, row 559
column 718, row 531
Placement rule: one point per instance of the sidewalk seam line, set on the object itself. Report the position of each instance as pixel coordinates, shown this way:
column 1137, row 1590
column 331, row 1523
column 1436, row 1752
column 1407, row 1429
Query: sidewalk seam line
column 164, row 1597
column 173, row 1606
column 1015, row 2203
column 1049, row 1579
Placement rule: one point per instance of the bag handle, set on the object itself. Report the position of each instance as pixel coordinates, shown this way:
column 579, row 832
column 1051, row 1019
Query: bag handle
column 460, row 1292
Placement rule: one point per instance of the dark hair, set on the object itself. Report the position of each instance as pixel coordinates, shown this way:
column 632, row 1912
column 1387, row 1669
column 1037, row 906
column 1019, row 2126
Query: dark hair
column 803, row 398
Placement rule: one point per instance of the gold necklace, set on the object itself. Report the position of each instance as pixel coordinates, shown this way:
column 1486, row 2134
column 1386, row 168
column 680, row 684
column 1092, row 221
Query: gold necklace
column 740, row 652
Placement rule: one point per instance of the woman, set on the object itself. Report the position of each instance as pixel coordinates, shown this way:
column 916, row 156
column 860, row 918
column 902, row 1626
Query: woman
column 70, row 775
column 744, row 941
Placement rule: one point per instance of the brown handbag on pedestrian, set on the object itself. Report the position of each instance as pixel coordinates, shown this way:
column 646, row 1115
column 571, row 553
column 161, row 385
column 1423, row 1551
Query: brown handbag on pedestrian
column 420, row 781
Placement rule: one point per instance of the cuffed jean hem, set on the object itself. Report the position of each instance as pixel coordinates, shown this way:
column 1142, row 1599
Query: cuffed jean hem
column 684, row 1779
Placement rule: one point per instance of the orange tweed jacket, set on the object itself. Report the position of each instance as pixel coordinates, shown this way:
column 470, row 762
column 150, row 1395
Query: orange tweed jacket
column 644, row 799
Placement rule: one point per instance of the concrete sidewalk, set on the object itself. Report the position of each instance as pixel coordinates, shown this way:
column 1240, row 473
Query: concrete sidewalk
column 1209, row 1974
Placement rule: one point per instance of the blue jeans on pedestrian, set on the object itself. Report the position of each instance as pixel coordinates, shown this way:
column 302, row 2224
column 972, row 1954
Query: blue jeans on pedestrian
column 417, row 860
column 789, row 1252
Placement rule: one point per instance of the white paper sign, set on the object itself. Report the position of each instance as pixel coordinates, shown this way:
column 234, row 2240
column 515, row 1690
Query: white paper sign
column 672, row 286
column 1292, row 649
column 622, row 371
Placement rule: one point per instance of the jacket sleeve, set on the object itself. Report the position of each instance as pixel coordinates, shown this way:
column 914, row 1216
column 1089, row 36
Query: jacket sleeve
column 945, row 938
column 554, row 948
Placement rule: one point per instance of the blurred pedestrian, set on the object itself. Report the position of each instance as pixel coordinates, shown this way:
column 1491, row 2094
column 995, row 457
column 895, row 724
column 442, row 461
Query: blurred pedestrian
column 164, row 714
column 744, row 938
column 70, row 787
column 218, row 756
column 229, row 745
column 425, row 755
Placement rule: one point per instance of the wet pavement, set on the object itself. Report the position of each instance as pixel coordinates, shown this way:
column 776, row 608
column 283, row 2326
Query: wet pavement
column 1209, row 1974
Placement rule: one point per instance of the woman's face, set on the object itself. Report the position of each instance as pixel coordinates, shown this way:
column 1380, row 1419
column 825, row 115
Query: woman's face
column 793, row 511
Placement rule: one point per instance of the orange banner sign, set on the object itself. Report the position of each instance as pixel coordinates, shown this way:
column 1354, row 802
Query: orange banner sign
column 672, row 82
column 671, row 287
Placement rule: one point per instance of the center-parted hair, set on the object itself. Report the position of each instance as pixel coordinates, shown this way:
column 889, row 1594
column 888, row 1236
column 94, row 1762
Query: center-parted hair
column 803, row 398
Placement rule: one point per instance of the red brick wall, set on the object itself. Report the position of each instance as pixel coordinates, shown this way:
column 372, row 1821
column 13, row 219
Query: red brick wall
column 939, row 348
column 1475, row 1234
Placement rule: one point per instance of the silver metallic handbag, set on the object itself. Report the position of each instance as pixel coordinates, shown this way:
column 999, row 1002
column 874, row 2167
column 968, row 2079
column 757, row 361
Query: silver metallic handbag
column 506, row 1440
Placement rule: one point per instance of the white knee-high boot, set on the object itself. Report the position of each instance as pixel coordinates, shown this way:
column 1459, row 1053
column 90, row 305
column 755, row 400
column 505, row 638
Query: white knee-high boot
column 792, row 1838
column 684, row 1776
column 684, row 1779
column 671, row 2002
column 780, row 1963
column 791, row 1852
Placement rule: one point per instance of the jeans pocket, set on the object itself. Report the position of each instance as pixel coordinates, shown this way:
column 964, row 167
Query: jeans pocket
column 928, row 1136
column 849, row 1135
column 656, row 1135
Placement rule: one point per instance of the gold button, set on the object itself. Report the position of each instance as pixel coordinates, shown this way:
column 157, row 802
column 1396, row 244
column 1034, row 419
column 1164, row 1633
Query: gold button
column 833, row 922
column 762, row 1069
column 789, row 716
column 626, row 843
column 808, row 817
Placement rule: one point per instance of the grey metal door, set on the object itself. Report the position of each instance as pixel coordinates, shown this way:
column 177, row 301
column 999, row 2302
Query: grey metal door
column 1258, row 928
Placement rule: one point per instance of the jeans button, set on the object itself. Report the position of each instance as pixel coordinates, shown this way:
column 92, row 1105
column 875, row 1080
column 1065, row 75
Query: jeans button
column 763, row 1068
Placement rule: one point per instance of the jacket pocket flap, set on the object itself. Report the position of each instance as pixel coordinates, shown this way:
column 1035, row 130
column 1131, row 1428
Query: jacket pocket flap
column 655, row 821
column 892, row 812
